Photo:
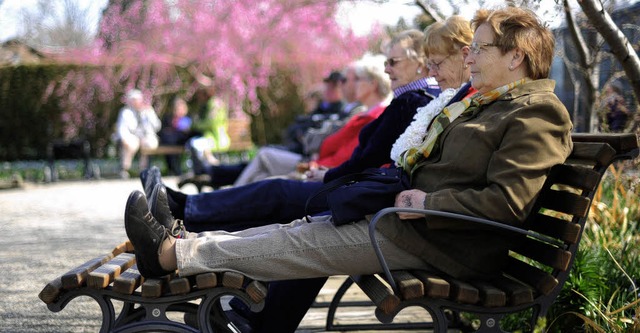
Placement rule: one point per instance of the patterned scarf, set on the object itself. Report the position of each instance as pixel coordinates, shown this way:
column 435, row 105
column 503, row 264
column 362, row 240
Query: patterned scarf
column 413, row 155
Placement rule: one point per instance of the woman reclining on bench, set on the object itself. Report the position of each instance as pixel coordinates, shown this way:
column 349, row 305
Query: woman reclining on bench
column 489, row 162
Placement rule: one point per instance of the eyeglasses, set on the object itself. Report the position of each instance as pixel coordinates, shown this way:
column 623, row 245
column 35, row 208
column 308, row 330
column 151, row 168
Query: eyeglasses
column 393, row 61
column 436, row 65
column 476, row 47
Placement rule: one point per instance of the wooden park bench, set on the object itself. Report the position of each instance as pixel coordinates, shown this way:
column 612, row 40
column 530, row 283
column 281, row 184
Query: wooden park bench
column 534, row 277
column 171, row 303
column 239, row 132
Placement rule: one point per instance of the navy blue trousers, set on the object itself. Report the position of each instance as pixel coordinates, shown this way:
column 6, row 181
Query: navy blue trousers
column 256, row 204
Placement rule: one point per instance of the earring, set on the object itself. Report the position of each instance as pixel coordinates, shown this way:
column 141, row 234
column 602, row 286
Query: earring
column 419, row 71
column 465, row 66
column 510, row 67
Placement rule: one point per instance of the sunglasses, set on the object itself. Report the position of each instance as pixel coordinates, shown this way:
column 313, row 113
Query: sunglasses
column 393, row 61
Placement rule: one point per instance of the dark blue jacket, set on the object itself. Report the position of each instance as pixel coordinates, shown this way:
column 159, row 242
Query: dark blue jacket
column 376, row 139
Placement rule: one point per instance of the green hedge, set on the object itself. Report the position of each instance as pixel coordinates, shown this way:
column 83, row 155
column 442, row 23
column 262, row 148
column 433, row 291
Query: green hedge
column 29, row 121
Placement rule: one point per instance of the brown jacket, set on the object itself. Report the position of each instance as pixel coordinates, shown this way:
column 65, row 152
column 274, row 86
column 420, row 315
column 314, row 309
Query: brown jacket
column 489, row 164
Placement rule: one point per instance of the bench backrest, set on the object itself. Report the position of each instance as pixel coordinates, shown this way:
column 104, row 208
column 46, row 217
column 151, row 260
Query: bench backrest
column 561, row 211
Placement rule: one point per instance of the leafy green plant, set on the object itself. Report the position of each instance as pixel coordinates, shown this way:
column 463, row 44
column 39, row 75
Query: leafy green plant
column 601, row 294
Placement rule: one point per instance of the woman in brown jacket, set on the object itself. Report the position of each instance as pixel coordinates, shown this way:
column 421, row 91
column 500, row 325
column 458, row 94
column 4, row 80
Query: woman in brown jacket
column 485, row 156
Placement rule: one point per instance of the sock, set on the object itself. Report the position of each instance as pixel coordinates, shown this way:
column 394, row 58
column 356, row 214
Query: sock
column 177, row 203
column 167, row 256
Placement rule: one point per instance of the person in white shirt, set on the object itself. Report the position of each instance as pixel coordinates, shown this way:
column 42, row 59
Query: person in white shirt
column 136, row 128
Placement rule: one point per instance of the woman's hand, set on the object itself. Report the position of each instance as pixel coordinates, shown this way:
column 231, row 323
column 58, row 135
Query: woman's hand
column 410, row 199
column 316, row 175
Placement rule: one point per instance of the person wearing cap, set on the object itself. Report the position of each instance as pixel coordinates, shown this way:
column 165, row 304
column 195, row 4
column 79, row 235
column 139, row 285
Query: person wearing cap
column 136, row 127
column 331, row 106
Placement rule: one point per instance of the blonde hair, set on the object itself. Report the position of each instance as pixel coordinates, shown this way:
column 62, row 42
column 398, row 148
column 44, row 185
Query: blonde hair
column 520, row 28
column 447, row 37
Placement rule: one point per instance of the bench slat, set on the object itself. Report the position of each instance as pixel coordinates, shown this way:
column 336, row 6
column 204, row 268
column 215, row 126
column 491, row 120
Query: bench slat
column 544, row 253
column 463, row 292
column 621, row 142
column 232, row 280
column 517, row 293
column 51, row 290
column 180, row 286
column 542, row 281
column 565, row 202
column 154, row 288
column 257, row 291
column 566, row 231
column 128, row 281
column 379, row 292
column 409, row 285
column 163, row 150
column 575, row 176
column 591, row 153
column 102, row 276
column 490, row 296
column 434, row 286
column 76, row 277
column 206, row 280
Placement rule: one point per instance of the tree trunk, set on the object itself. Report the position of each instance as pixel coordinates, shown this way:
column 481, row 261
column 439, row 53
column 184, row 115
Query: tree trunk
column 586, row 67
column 620, row 45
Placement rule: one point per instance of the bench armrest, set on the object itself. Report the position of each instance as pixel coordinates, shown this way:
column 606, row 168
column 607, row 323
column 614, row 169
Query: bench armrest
column 498, row 225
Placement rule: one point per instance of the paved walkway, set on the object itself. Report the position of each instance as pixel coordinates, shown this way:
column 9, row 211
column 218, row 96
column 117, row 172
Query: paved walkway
column 77, row 221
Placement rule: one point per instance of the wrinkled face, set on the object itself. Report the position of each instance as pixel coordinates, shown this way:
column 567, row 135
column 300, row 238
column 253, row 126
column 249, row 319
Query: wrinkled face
column 349, row 85
column 402, row 70
column 137, row 103
column 365, row 88
column 181, row 108
column 489, row 67
column 448, row 69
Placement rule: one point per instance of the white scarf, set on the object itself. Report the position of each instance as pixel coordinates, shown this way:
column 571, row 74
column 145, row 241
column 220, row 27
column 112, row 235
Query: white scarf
column 415, row 132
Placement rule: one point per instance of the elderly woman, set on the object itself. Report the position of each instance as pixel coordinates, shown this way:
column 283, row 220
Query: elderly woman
column 372, row 91
column 446, row 45
column 486, row 156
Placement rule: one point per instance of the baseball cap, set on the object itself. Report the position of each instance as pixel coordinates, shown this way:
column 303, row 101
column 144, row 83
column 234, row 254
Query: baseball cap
column 335, row 76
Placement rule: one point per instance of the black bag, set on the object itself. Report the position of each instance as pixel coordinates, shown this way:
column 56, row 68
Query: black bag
column 353, row 196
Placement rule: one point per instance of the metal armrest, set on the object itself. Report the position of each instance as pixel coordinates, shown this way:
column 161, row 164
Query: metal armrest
column 498, row 225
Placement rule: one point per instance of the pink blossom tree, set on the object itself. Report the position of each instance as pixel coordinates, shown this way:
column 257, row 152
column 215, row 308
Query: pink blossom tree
column 168, row 47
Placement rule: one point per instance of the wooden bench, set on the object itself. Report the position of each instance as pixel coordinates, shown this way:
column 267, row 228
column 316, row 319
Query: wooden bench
column 76, row 149
column 163, row 150
column 239, row 131
column 152, row 304
column 537, row 270
column 551, row 241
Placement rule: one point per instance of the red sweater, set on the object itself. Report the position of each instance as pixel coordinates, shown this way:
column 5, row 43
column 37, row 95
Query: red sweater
column 339, row 146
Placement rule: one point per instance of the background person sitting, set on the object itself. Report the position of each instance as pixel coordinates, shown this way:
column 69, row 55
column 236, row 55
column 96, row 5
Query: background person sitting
column 136, row 128
column 332, row 105
column 212, row 122
column 176, row 130
column 614, row 107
